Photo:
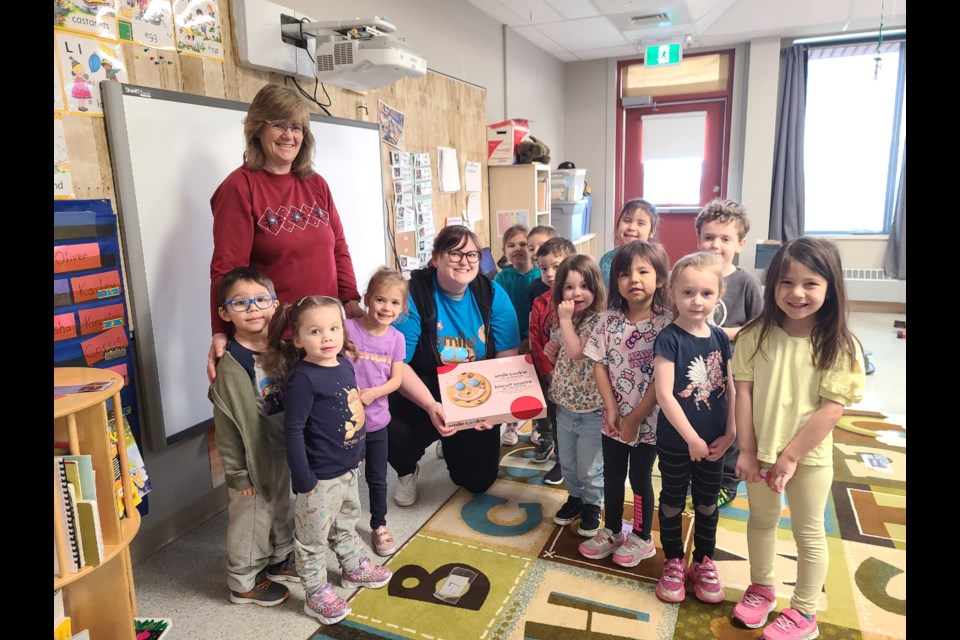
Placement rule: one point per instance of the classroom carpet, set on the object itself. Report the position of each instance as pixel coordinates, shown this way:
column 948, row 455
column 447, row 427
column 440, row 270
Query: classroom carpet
column 524, row 578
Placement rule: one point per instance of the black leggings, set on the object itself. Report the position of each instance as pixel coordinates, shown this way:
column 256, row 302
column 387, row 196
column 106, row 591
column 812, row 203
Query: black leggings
column 616, row 458
column 677, row 472
column 472, row 457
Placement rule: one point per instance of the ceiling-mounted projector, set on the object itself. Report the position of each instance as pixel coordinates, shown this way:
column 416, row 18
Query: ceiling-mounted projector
column 359, row 54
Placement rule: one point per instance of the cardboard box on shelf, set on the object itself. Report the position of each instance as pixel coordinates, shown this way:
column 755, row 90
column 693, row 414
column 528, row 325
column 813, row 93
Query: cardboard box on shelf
column 494, row 391
column 503, row 138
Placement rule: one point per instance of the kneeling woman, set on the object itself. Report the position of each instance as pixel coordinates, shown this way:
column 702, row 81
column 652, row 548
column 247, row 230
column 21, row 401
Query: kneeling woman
column 456, row 315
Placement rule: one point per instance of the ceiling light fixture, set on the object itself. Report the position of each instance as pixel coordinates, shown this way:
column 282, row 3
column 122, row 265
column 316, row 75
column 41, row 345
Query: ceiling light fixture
column 851, row 36
column 650, row 20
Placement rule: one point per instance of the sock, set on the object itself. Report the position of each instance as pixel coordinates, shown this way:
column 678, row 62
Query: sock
column 809, row 618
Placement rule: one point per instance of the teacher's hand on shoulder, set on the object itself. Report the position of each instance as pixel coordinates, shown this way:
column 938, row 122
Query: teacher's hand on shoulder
column 217, row 346
column 353, row 309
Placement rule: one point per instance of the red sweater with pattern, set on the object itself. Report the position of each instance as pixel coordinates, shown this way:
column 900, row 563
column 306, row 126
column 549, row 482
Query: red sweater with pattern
column 286, row 227
column 541, row 319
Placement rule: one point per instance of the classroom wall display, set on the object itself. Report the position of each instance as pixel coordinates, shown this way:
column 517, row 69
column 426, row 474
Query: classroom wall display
column 90, row 318
column 147, row 22
column 198, row 28
column 83, row 63
column 169, row 152
column 97, row 18
column 62, row 181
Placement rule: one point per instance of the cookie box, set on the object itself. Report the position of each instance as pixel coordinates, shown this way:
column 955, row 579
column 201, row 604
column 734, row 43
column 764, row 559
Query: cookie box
column 494, row 391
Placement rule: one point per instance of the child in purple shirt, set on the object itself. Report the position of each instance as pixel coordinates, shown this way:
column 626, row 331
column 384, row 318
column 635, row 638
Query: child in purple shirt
column 378, row 369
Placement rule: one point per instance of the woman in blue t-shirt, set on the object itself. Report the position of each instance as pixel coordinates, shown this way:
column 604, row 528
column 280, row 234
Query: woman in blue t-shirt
column 456, row 315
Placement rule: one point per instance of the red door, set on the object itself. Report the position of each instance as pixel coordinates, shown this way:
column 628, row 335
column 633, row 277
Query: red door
column 676, row 228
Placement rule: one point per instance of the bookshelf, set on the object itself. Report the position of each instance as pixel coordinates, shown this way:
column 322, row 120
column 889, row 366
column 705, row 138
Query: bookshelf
column 518, row 187
column 98, row 598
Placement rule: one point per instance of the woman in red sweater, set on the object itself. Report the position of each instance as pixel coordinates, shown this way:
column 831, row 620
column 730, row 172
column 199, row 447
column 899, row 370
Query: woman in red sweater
column 276, row 214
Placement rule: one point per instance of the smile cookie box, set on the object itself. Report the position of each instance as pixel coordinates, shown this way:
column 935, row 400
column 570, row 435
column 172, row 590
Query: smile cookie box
column 494, row 391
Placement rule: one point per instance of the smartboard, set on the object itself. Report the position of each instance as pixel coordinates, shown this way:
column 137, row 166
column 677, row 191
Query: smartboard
column 169, row 153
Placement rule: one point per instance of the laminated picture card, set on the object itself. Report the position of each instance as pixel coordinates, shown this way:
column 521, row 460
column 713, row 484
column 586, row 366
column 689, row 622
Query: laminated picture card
column 494, row 391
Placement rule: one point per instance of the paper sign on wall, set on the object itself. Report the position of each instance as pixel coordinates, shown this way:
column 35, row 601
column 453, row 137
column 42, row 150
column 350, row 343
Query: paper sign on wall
column 96, row 286
column 64, row 327
column 76, row 257
column 105, row 346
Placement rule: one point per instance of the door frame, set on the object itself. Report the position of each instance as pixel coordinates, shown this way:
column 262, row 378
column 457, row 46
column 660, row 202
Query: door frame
column 677, row 99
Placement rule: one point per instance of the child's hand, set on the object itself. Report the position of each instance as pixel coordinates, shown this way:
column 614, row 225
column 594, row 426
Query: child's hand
column 780, row 473
column 698, row 449
column 748, row 467
column 249, row 491
column 611, row 425
column 367, row 396
column 719, row 446
column 629, row 428
column 565, row 309
column 551, row 350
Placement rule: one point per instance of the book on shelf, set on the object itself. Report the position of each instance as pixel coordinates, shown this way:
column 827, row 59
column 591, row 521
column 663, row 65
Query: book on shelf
column 61, row 623
column 61, row 390
column 91, row 536
column 67, row 514
column 78, row 535
column 152, row 628
column 138, row 471
column 80, row 472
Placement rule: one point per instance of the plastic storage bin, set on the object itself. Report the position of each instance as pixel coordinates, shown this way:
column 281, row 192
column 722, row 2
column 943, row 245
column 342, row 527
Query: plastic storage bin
column 566, row 185
column 568, row 218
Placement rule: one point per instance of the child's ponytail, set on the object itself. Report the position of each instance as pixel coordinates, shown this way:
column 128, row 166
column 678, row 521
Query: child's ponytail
column 281, row 354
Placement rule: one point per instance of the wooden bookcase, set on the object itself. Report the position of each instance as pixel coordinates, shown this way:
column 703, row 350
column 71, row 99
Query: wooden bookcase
column 98, row 598
column 518, row 187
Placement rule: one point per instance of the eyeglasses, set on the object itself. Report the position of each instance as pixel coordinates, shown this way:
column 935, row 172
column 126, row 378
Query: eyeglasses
column 243, row 304
column 280, row 127
column 473, row 257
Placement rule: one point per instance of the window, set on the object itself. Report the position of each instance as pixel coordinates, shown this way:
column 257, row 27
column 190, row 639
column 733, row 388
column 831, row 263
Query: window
column 854, row 134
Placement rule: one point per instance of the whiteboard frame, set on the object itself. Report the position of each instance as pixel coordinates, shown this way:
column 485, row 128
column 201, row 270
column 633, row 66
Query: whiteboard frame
column 165, row 386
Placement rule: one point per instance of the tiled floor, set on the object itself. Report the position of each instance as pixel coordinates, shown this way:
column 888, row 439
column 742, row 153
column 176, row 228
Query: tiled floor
column 185, row 580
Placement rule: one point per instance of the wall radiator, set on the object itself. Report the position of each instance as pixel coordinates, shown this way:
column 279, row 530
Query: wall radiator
column 873, row 285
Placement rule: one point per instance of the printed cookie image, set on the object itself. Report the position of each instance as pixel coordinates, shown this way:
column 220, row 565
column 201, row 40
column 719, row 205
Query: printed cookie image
column 470, row 390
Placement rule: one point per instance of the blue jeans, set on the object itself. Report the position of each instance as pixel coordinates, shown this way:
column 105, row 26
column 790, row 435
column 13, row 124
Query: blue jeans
column 581, row 456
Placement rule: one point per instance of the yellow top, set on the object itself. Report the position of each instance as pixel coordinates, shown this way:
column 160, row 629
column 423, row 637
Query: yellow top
column 787, row 390
column 71, row 376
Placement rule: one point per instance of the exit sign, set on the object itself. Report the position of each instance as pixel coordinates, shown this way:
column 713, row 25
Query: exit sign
column 662, row 55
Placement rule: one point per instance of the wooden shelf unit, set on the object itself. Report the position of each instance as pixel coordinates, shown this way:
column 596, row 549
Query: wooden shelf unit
column 518, row 187
column 588, row 245
column 98, row 598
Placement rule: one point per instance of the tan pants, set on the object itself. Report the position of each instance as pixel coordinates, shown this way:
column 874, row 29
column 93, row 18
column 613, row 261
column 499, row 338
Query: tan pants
column 807, row 493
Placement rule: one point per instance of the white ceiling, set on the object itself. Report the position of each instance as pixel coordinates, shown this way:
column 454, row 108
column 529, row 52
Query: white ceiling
column 589, row 29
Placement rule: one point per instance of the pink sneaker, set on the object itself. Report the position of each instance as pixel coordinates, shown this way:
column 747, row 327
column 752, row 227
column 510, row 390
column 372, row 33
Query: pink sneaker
column 367, row 574
column 601, row 545
column 633, row 550
column 706, row 583
column 754, row 607
column 671, row 588
column 791, row 625
column 326, row 606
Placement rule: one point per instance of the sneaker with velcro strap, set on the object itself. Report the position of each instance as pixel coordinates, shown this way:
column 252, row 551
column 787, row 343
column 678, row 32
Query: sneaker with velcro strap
column 284, row 571
column 265, row 592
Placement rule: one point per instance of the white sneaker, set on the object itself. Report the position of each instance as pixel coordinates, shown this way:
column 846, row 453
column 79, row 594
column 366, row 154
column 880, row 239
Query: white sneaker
column 406, row 493
column 509, row 436
column 440, row 449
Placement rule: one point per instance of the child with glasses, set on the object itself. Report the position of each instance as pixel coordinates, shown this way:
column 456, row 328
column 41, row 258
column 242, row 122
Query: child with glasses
column 324, row 432
column 248, row 416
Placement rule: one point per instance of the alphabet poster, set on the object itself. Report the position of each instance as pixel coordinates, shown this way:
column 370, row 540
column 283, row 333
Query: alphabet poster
column 84, row 62
column 197, row 23
column 62, row 182
column 147, row 22
column 95, row 17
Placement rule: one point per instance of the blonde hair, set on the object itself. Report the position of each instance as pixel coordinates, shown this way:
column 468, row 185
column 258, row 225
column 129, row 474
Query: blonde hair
column 281, row 352
column 385, row 278
column 702, row 261
column 276, row 103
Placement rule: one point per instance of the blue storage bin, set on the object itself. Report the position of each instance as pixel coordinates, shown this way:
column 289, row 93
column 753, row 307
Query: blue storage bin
column 568, row 218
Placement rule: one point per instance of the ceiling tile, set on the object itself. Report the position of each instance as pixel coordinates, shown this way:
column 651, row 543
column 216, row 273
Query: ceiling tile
column 536, row 37
column 607, row 52
column 567, row 57
column 587, row 33
column 638, row 7
column 498, row 12
column 534, row 11
column 573, row 9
